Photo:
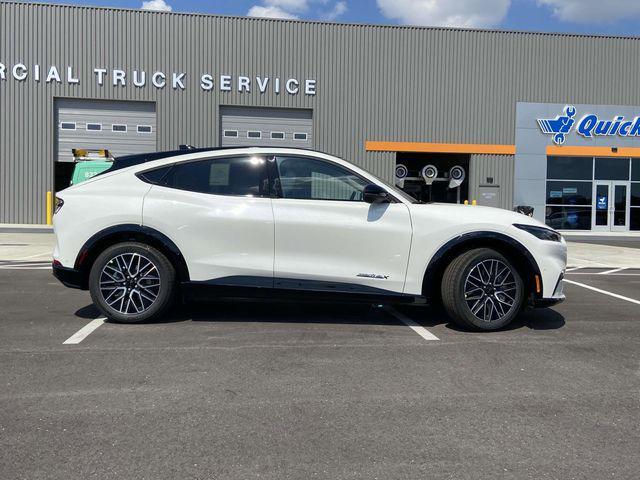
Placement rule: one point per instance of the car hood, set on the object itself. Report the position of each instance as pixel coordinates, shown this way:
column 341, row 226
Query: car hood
column 470, row 217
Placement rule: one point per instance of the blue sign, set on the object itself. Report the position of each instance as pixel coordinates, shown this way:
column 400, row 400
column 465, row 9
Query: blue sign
column 589, row 126
column 559, row 126
column 602, row 203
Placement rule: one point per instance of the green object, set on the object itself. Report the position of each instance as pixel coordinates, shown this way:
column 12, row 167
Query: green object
column 86, row 170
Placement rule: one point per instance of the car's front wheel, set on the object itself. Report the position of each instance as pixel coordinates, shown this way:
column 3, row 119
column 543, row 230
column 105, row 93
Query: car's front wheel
column 132, row 282
column 482, row 290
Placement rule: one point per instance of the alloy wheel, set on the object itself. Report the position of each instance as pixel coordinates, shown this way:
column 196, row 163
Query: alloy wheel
column 130, row 283
column 490, row 290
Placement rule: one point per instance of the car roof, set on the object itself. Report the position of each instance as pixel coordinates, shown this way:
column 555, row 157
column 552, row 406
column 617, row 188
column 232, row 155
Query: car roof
column 140, row 158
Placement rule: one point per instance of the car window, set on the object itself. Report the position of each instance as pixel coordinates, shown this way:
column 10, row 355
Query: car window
column 244, row 176
column 313, row 179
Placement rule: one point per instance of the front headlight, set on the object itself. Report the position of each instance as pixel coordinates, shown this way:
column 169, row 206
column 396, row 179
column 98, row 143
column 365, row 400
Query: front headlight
column 540, row 232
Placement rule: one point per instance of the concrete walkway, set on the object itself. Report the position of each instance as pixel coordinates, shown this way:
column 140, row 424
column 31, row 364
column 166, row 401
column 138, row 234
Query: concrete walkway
column 590, row 255
column 37, row 247
column 29, row 247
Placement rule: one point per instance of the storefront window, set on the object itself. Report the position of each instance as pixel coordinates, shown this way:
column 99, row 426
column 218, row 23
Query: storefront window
column 569, row 193
column 612, row 169
column 635, row 205
column 570, row 168
column 635, row 169
column 635, row 218
column 568, row 218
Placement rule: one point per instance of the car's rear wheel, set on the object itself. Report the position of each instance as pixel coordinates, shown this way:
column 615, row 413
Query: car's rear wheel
column 482, row 290
column 132, row 282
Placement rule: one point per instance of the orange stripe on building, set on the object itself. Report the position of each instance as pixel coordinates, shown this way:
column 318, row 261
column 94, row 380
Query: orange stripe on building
column 424, row 147
column 569, row 151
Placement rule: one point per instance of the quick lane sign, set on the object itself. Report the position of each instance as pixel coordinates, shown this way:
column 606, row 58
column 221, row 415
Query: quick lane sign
column 158, row 79
column 589, row 126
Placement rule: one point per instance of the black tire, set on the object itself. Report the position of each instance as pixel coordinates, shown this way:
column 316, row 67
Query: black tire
column 114, row 283
column 494, row 309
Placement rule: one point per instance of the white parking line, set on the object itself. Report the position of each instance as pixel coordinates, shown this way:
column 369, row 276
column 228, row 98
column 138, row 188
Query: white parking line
column 419, row 329
column 613, row 270
column 611, row 294
column 616, row 274
column 84, row 332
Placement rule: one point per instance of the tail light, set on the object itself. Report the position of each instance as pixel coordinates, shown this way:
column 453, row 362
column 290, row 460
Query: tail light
column 59, row 204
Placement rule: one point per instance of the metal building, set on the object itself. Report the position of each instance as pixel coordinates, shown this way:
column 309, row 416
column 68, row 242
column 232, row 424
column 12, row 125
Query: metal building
column 544, row 120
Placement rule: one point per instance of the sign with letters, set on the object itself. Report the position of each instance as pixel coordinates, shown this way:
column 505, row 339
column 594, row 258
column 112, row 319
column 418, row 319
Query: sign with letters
column 157, row 79
column 590, row 125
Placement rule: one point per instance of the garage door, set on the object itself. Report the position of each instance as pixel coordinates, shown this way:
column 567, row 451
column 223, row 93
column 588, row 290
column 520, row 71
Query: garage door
column 277, row 127
column 123, row 128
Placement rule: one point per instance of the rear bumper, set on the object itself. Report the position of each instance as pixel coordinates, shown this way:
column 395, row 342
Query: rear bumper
column 70, row 277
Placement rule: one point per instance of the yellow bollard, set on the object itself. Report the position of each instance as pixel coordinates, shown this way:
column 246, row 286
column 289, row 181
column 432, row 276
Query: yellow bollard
column 474, row 203
column 466, row 202
column 49, row 208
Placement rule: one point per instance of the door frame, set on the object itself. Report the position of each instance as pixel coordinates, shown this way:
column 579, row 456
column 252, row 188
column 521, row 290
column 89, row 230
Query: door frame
column 611, row 186
column 627, row 209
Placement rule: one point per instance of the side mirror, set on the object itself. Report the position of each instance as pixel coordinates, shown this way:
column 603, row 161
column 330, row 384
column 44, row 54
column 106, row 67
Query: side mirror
column 373, row 193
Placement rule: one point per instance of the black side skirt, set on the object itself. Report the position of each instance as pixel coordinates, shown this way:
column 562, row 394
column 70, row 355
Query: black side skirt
column 291, row 289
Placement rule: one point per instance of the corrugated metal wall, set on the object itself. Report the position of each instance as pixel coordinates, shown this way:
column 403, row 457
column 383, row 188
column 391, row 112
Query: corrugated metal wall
column 373, row 82
column 500, row 168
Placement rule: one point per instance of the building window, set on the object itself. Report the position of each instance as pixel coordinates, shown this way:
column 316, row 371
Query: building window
column 67, row 126
column 635, row 169
column 144, row 129
column 570, row 168
column 119, row 128
column 94, row 127
column 300, row 136
column 230, row 133
column 612, row 169
column 569, row 193
column 277, row 135
column 568, row 217
column 254, row 134
column 634, row 223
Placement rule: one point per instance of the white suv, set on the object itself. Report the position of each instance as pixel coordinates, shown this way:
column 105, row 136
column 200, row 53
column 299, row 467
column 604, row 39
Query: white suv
column 267, row 221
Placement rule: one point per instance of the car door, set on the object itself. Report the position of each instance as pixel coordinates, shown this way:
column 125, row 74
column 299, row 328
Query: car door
column 218, row 212
column 327, row 237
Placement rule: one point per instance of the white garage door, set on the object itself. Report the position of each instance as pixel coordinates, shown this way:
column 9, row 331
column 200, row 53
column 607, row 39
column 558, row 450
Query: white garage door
column 123, row 128
column 271, row 127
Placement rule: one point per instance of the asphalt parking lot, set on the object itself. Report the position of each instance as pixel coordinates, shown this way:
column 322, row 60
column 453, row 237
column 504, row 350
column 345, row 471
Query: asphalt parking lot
column 270, row 390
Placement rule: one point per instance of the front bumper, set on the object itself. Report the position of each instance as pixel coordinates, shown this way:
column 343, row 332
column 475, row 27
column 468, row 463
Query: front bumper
column 548, row 302
column 70, row 277
column 557, row 297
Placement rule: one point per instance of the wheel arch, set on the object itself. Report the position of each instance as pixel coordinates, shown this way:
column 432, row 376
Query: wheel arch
column 127, row 233
column 512, row 249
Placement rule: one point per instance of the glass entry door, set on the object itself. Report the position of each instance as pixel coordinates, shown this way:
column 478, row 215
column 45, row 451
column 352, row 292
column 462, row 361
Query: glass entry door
column 611, row 206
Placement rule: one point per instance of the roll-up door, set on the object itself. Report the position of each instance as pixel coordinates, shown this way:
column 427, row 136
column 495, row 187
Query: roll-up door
column 123, row 128
column 272, row 127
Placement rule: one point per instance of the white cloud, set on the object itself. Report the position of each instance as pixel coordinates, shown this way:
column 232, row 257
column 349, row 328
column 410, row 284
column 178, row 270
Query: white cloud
column 269, row 12
column 338, row 9
column 288, row 5
column 446, row 13
column 592, row 11
column 159, row 5
column 293, row 9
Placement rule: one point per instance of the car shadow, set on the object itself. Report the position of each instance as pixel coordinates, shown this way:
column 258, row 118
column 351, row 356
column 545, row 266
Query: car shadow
column 533, row 319
column 270, row 311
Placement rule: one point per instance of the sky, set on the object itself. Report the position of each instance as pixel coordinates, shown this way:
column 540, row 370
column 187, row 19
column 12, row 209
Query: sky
column 608, row 17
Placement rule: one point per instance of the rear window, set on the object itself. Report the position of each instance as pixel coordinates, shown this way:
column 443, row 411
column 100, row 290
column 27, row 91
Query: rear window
column 240, row 176
column 154, row 176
